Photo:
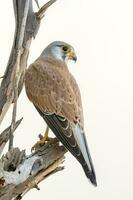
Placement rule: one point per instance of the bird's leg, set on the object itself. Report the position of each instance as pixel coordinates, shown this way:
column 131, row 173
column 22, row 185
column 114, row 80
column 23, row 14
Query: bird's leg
column 42, row 140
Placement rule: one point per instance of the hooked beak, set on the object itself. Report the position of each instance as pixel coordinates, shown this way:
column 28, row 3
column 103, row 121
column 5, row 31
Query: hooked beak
column 75, row 58
column 72, row 56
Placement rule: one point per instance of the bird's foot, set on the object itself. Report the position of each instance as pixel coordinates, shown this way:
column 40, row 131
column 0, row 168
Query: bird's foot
column 40, row 143
column 43, row 140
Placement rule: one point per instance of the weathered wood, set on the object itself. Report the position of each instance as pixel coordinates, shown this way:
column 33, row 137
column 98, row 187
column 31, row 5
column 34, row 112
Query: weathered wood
column 21, row 173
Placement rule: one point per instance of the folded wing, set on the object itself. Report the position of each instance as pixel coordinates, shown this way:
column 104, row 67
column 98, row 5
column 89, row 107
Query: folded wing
column 55, row 94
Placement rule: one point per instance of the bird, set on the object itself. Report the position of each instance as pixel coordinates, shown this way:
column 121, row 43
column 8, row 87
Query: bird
column 54, row 92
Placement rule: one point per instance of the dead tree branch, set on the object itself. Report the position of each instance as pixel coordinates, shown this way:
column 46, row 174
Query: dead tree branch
column 5, row 135
column 17, row 70
column 20, row 173
column 41, row 12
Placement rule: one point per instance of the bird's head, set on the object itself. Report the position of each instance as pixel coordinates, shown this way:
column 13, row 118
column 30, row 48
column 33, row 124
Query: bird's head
column 61, row 51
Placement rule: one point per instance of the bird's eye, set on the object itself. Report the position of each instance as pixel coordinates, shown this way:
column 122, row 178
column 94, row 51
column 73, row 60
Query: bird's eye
column 65, row 48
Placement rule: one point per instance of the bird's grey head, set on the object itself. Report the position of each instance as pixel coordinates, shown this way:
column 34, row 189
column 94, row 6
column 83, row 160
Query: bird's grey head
column 60, row 50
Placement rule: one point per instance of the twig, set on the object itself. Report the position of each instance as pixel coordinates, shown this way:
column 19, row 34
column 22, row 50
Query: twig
column 37, row 3
column 40, row 13
column 1, row 77
column 4, row 136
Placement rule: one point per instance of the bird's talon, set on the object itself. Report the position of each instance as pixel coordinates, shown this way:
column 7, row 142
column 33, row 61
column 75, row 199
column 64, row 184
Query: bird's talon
column 40, row 143
column 40, row 136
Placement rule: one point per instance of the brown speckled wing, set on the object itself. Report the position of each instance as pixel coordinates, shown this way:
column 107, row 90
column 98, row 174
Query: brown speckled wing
column 51, row 87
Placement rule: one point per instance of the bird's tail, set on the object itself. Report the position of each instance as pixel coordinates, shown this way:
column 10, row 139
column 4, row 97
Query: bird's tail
column 75, row 142
column 86, row 160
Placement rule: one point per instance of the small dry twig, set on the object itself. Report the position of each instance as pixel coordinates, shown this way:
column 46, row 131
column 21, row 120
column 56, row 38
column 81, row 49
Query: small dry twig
column 41, row 12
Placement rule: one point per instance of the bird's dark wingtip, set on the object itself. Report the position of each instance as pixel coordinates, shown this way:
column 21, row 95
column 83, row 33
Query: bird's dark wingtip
column 92, row 178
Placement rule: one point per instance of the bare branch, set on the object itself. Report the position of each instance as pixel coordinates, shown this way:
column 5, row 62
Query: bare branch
column 17, row 71
column 1, row 77
column 4, row 136
column 37, row 3
column 40, row 13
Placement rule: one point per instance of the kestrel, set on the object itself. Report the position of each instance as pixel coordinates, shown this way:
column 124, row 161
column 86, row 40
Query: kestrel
column 54, row 92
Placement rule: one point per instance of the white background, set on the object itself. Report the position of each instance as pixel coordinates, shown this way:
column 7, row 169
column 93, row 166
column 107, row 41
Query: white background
column 102, row 34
